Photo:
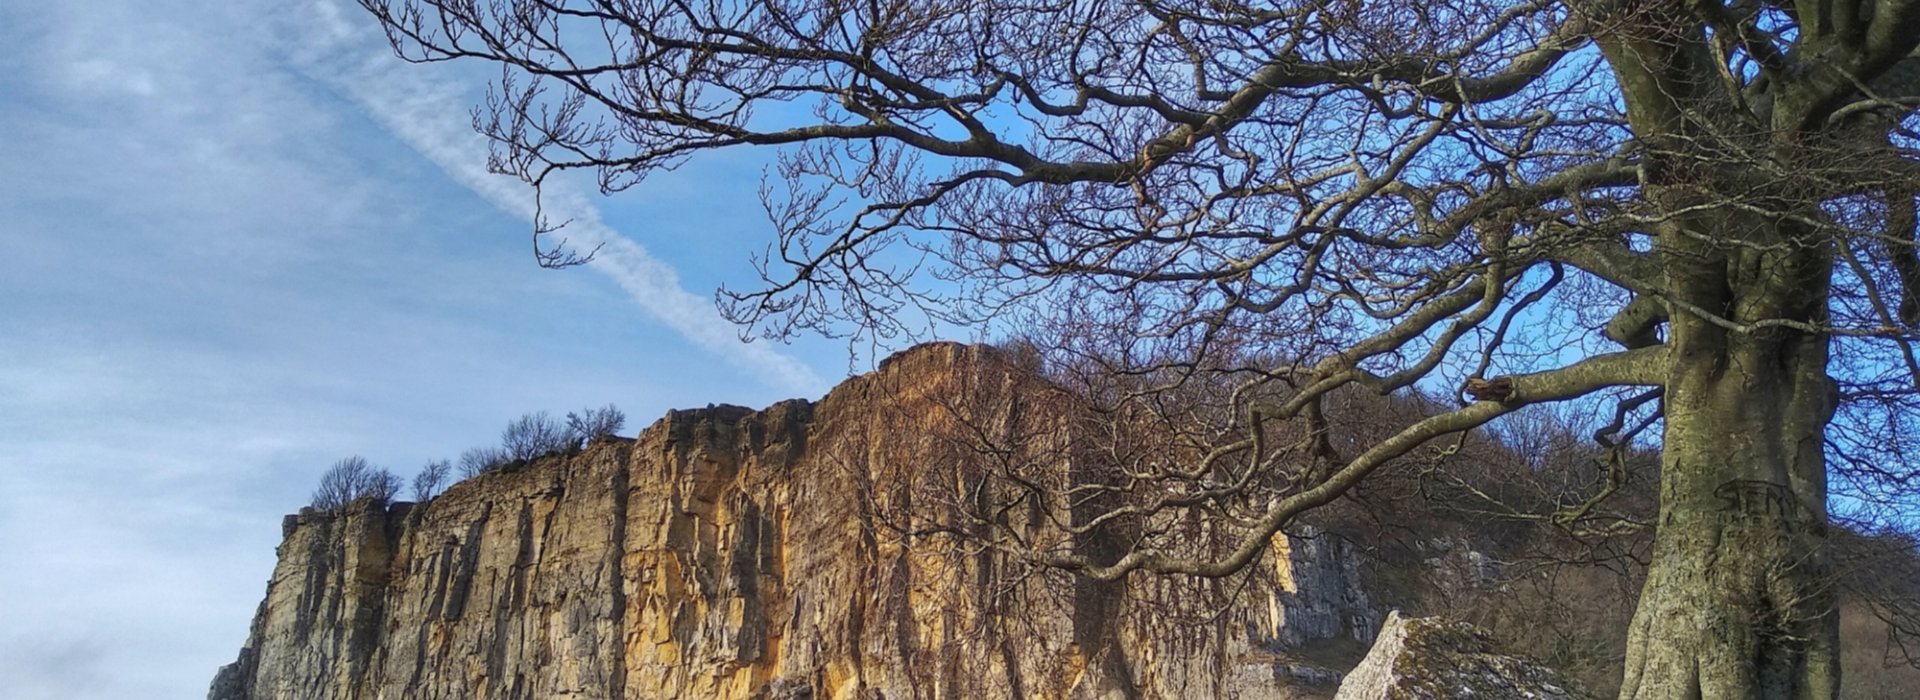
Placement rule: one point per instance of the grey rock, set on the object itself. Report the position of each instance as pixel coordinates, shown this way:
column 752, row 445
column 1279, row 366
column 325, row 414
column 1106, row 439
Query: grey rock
column 1434, row 659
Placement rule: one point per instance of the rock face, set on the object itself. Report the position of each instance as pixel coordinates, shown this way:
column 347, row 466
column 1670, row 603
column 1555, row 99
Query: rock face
column 1434, row 659
column 783, row 554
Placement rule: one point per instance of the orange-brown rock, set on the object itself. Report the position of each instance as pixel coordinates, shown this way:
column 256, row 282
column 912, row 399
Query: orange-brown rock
column 790, row 553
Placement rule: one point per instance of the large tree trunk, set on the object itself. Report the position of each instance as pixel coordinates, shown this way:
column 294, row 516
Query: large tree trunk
column 1738, row 601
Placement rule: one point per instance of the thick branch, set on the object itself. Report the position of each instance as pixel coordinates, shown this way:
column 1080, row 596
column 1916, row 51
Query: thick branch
column 1641, row 367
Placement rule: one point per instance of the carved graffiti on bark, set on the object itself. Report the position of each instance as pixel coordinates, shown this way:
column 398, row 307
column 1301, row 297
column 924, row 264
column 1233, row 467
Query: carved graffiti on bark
column 1753, row 501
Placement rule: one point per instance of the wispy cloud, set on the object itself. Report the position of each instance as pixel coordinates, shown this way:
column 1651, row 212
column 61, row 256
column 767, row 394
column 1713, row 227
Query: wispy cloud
column 431, row 116
column 221, row 273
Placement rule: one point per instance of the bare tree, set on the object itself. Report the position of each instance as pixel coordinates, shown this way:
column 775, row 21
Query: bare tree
column 1701, row 214
column 480, row 460
column 352, row 479
column 535, row 435
column 596, row 423
column 432, row 476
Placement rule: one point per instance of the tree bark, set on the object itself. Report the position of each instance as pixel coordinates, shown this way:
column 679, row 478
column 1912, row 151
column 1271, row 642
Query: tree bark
column 1738, row 600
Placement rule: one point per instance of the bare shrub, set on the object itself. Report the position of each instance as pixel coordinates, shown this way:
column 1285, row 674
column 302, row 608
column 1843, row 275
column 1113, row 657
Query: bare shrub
column 352, row 479
column 480, row 460
column 427, row 483
column 595, row 423
column 535, row 435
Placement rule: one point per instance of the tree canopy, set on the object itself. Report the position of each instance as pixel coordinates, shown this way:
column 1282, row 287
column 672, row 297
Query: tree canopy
column 1700, row 212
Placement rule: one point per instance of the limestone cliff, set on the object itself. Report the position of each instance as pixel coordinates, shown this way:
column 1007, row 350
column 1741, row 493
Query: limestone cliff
column 730, row 553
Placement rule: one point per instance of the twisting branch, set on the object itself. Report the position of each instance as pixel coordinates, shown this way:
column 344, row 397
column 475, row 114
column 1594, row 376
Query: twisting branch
column 1640, row 367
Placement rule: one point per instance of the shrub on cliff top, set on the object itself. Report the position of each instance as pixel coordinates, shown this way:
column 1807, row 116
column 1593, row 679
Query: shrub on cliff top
column 480, row 460
column 352, row 479
column 536, row 435
column 595, row 423
column 427, row 483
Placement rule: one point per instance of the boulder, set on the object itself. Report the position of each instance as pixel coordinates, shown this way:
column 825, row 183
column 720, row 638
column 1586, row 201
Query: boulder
column 1430, row 657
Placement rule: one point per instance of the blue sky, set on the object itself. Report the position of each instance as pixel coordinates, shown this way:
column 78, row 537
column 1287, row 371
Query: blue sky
column 241, row 241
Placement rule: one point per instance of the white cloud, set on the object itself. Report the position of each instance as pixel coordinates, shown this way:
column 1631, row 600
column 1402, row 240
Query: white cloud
column 111, row 77
column 431, row 117
column 219, row 277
